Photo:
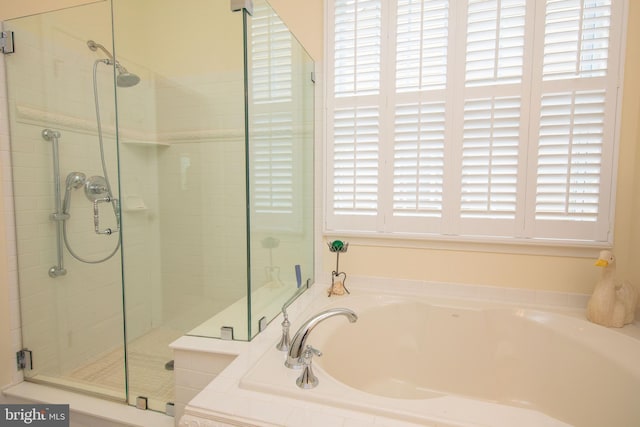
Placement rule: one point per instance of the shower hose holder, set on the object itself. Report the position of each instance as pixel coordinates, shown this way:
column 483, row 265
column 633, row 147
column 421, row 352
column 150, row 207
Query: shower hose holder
column 338, row 278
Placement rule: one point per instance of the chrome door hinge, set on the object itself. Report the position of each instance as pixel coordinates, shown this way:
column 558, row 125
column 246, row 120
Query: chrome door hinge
column 24, row 359
column 6, row 42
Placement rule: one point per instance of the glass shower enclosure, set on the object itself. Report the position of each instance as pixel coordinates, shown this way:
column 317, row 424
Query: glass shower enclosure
column 162, row 160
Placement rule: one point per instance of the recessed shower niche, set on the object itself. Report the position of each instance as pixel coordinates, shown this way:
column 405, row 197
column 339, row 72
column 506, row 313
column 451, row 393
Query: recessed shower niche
column 162, row 184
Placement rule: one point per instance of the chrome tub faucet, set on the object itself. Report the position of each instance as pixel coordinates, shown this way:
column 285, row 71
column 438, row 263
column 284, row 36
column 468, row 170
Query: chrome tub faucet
column 295, row 355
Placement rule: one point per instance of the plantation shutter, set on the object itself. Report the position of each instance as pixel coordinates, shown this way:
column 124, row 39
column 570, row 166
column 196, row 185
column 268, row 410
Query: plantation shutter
column 500, row 128
column 354, row 126
column 419, row 116
column 575, row 129
column 490, row 167
column 271, row 115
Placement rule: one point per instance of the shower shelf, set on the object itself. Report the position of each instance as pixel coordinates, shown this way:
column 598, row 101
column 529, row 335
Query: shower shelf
column 134, row 204
column 141, row 142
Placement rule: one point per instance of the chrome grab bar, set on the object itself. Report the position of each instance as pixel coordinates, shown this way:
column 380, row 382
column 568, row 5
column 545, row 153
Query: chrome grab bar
column 58, row 216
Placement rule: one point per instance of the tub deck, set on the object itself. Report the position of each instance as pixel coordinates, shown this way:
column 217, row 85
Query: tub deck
column 257, row 390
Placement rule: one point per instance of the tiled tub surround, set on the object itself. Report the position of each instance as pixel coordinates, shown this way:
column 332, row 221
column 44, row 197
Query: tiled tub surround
column 257, row 390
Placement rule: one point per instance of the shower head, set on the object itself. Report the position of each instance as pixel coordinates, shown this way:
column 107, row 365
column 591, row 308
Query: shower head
column 124, row 77
column 75, row 180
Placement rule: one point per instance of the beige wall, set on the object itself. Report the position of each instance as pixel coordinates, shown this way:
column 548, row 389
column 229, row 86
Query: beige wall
column 628, row 203
column 305, row 19
column 10, row 9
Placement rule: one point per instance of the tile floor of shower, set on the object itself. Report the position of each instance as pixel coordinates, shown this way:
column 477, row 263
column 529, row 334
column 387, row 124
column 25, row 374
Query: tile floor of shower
column 147, row 357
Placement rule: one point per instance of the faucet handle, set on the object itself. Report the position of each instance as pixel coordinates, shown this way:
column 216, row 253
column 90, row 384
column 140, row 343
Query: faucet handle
column 309, row 352
column 307, row 379
column 285, row 341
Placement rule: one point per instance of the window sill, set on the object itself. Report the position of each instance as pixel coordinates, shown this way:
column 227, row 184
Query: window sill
column 540, row 247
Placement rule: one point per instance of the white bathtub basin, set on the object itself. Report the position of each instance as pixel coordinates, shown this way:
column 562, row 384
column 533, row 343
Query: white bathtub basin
column 466, row 363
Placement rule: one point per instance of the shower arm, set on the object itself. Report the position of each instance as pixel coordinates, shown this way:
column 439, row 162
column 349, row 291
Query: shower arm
column 95, row 46
column 112, row 60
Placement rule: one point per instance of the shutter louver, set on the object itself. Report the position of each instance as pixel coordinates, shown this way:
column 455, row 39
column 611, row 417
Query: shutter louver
column 418, row 167
column 357, row 47
column 421, row 45
column 490, row 158
column 272, row 164
column 576, row 42
column 355, row 161
column 569, row 156
column 271, row 65
column 495, row 41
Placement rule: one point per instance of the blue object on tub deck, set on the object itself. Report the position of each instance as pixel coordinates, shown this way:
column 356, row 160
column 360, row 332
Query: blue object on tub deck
column 298, row 275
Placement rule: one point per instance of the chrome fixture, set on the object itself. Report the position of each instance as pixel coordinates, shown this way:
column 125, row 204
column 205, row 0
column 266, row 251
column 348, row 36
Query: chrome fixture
column 307, row 379
column 124, row 77
column 97, row 188
column 295, row 357
column 59, row 215
column 75, row 180
column 6, row 42
column 97, row 191
column 283, row 345
column 238, row 5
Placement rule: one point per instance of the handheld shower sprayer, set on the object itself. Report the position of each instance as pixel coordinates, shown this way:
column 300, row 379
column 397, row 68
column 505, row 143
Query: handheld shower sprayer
column 75, row 180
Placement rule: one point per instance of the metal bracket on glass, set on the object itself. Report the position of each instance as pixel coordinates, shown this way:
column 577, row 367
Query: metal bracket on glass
column 142, row 403
column 226, row 332
column 6, row 42
column 170, row 409
column 238, row 5
column 24, row 359
column 262, row 324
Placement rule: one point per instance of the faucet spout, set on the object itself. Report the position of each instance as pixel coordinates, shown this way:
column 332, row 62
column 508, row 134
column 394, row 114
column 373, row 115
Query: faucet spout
column 299, row 341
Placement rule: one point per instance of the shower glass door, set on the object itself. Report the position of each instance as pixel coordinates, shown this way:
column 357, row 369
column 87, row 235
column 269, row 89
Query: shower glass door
column 183, row 181
column 70, row 276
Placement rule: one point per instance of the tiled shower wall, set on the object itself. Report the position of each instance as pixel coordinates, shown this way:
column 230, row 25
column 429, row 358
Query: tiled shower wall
column 203, row 225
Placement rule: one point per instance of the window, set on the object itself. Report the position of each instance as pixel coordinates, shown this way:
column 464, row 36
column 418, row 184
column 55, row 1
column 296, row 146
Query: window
column 476, row 118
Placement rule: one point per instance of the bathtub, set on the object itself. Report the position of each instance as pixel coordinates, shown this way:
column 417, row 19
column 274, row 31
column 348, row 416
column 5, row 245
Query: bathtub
column 463, row 362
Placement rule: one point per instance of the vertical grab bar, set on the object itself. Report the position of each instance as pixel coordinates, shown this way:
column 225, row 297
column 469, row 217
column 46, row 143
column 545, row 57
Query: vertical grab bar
column 58, row 216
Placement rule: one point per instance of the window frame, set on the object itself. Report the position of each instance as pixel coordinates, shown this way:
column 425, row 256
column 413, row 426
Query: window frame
column 455, row 232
